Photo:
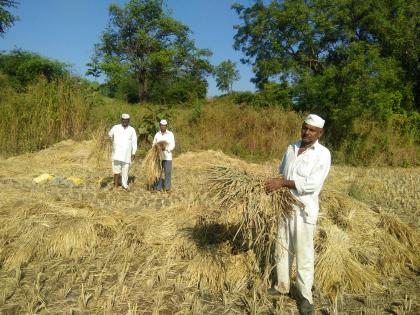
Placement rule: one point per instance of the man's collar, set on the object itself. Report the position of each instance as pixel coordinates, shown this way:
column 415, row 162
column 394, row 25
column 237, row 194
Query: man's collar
column 313, row 147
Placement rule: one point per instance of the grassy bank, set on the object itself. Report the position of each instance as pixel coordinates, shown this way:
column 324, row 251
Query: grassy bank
column 47, row 112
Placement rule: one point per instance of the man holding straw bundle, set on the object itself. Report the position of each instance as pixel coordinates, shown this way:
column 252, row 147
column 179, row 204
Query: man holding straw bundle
column 166, row 140
column 124, row 147
column 304, row 169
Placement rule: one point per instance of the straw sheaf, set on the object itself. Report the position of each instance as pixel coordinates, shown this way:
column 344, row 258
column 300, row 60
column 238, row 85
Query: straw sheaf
column 337, row 269
column 371, row 243
column 151, row 164
column 261, row 212
column 101, row 146
column 43, row 230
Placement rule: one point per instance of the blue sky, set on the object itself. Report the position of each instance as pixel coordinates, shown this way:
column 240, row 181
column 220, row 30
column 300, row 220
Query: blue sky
column 67, row 30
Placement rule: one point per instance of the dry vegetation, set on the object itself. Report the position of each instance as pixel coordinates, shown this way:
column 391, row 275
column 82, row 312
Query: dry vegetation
column 86, row 250
column 152, row 165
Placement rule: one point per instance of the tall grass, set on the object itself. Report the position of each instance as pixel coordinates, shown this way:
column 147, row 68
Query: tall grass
column 45, row 113
column 48, row 112
column 394, row 143
column 254, row 134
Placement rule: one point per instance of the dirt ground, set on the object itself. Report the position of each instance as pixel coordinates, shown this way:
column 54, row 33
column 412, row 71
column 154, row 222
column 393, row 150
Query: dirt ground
column 88, row 250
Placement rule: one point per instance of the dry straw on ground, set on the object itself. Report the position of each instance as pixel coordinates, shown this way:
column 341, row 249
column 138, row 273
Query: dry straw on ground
column 152, row 164
column 358, row 246
column 355, row 245
column 90, row 251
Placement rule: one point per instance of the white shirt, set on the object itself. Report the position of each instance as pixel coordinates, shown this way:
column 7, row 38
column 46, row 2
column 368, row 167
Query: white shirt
column 124, row 143
column 308, row 170
column 169, row 138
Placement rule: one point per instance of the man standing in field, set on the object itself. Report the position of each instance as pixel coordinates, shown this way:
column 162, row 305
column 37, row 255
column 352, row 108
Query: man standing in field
column 167, row 139
column 124, row 147
column 304, row 167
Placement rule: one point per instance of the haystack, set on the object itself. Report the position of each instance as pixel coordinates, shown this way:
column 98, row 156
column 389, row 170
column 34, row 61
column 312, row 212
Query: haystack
column 152, row 165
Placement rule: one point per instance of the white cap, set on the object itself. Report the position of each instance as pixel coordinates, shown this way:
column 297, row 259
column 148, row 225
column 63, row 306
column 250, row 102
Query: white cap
column 163, row 122
column 315, row 120
column 125, row 116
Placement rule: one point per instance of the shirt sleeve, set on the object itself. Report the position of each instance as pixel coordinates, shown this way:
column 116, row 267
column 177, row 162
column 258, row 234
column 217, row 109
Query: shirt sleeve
column 171, row 144
column 282, row 165
column 155, row 139
column 314, row 181
column 134, row 142
column 111, row 132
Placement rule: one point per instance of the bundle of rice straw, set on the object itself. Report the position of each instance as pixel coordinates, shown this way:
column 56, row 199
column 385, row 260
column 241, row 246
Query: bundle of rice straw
column 337, row 267
column 262, row 212
column 152, row 165
column 101, row 145
column 358, row 247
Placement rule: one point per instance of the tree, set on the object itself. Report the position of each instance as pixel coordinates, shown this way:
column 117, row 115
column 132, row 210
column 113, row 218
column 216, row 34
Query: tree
column 24, row 67
column 6, row 18
column 343, row 58
column 142, row 43
column 226, row 73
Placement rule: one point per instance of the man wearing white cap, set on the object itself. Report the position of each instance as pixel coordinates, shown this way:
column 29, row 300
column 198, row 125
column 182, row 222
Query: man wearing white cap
column 304, row 167
column 124, row 147
column 167, row 137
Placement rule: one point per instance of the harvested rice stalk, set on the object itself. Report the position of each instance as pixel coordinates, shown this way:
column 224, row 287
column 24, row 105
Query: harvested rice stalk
column 337, row 268
column 101, row 149
column 233, row 188
column 398, row 229
column 152, row 165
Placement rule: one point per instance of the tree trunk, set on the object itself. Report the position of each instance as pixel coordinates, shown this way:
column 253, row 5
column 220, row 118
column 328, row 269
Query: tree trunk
column 142, row 81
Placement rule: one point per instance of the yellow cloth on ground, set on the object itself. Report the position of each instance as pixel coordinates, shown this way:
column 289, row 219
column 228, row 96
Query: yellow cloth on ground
column 43, row 178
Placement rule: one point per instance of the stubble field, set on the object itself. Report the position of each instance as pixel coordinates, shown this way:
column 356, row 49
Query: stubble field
column 86, row 250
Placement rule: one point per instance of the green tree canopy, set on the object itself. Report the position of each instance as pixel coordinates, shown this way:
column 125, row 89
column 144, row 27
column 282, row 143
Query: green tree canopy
column 23, row 67
column 226, row 73
column 144, row 47
column 343, row 58
column 6, row 18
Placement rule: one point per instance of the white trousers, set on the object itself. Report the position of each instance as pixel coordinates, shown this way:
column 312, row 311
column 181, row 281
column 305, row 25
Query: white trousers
column 119, row 167
column 295, row 239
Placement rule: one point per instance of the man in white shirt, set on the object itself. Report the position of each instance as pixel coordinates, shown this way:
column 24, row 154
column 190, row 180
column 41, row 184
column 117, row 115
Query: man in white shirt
column 304, row 169
column 124, row 147
column 166, row 136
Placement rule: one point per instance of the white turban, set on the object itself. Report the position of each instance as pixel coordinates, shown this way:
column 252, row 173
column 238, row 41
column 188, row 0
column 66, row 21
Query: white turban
column 314, row 120
column 163, row 122
column 125, row 116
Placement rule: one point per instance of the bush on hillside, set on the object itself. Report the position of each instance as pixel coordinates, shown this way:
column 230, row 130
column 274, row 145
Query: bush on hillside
column 25, row 67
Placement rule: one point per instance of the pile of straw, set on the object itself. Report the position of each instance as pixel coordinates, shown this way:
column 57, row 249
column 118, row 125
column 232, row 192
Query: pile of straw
column 152, row 165
column 44, row 231
column 357, row 247
column 261, row 211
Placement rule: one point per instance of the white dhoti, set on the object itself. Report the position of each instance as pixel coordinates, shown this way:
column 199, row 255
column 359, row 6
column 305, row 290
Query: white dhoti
column 295, row 238
column 119, row 167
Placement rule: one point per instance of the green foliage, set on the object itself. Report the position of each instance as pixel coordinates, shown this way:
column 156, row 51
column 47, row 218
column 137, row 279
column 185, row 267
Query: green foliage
column 197, row 112
column 273, row 94
column 145, row 52
column 149, row 124
column 393, row 142
column 345, row 60
column 24, row 67
column 6, row 18
column 226, row 73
